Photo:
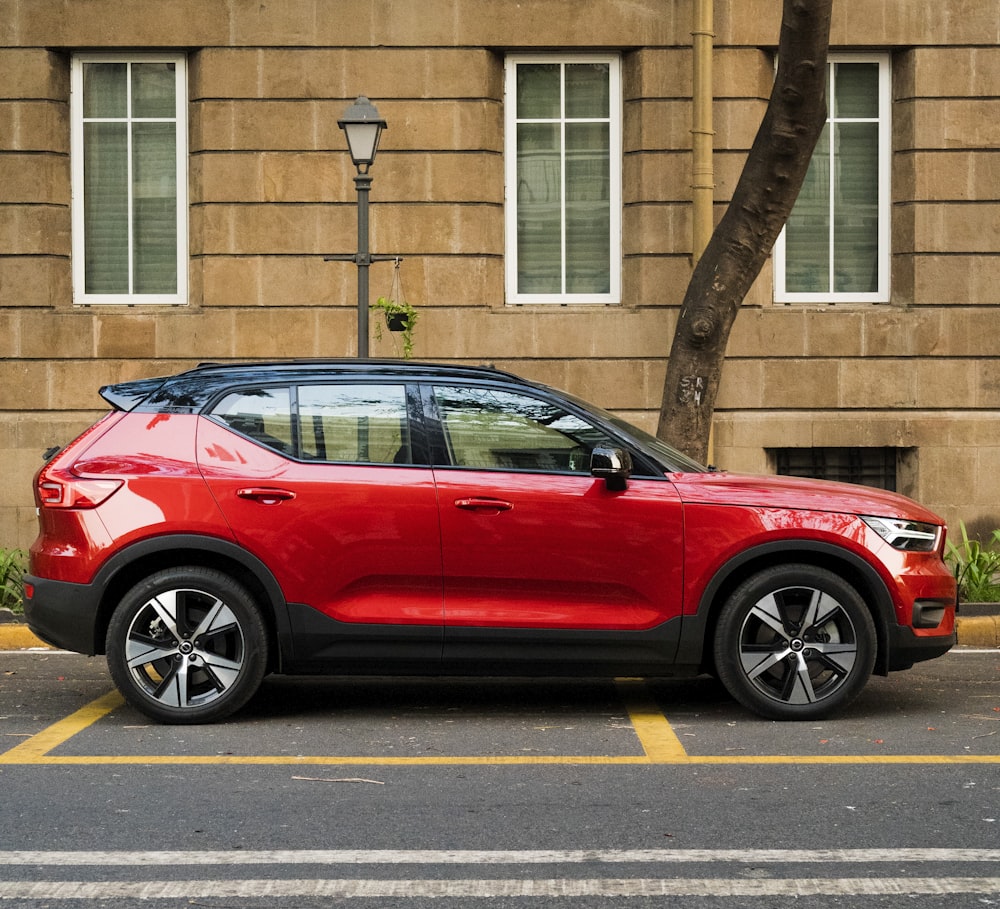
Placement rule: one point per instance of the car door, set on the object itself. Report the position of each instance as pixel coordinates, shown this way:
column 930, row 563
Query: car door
column 543, row 563
column 322, row 483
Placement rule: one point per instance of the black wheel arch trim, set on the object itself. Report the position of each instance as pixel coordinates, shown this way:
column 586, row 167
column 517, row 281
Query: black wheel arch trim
column 696, row 628
column 205, row 550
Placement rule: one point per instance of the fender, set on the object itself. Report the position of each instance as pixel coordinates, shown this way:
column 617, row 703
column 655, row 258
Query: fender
column 695, row 628
column 202, row 548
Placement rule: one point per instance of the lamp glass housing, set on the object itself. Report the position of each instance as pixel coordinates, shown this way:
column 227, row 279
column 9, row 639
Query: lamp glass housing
column 363, row 126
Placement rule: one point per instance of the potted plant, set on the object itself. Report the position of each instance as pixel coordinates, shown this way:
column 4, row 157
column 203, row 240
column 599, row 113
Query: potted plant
column 399, row 317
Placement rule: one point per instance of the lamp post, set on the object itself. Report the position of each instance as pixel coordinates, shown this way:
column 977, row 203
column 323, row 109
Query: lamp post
column 363, row 127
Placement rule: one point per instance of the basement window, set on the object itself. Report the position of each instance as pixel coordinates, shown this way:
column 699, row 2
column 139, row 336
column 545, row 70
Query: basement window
column 877, row 467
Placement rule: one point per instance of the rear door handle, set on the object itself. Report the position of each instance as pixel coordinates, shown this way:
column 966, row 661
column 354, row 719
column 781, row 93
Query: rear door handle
column 265, row 495
column 482, row 503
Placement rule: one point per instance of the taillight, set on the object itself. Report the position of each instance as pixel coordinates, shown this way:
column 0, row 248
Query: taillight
column 56, row 486
column 64, row 489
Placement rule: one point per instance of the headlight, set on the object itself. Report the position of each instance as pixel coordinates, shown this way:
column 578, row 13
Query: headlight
column 912, row 536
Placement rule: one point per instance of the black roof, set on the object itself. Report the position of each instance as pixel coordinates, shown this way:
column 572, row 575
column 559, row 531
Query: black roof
column 189, row 391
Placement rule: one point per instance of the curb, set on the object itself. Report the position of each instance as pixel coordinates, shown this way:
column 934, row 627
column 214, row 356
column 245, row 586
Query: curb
column 974, row 631
column 19, row 637
column 979, row 631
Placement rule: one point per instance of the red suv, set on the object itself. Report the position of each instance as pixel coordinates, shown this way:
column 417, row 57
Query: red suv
column 382, row 518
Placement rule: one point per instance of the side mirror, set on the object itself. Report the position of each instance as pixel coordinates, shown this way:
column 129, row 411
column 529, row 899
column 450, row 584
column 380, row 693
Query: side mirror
column 614, row 465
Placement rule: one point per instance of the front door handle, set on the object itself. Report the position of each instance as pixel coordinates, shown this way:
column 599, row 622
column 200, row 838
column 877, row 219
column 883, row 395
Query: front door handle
column 265, row 495
column 483, row 503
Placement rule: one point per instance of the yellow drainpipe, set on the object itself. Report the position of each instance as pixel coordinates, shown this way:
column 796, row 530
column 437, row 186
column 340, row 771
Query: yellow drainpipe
column 702, row 170
column 703, row 173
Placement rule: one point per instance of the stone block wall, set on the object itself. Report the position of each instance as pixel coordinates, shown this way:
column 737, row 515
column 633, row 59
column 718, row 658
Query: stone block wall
column 271, row 191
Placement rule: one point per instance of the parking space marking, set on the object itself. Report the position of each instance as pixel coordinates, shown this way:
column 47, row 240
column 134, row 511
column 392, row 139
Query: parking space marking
column 659, row 742
column 657, row 737
column 35, row 749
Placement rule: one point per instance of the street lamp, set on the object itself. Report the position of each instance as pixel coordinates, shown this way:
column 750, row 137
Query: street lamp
column 363, row 126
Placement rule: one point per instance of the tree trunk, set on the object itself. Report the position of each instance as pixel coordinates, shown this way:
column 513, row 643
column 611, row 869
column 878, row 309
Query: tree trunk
column 742, row 241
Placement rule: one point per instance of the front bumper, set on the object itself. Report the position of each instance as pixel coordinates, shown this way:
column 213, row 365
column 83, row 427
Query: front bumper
column 906, row 647
column 63, row 614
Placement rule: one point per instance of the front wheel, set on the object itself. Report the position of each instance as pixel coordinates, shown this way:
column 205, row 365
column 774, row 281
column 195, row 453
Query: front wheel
column 795, row 642
column 187, row 645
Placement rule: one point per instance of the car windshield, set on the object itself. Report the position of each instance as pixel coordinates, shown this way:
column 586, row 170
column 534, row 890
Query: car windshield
column 668, row 457
column 672, row 460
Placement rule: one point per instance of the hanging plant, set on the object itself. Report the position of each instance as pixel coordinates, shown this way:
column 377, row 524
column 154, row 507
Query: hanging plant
column 399, row 316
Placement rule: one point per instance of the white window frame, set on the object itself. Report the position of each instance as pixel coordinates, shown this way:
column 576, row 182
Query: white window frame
column 614, row 119
column 884, row 233
column 80, row 295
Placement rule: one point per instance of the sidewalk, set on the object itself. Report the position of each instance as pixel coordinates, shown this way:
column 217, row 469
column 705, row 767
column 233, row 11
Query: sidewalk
column 973, row 631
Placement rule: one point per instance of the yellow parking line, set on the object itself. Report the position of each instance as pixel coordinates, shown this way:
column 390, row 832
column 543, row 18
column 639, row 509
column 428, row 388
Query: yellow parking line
column 656, row 735
column 35, row 749
column 659, row 742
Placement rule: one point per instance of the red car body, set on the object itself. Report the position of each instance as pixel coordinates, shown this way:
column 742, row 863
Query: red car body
column 550, row 538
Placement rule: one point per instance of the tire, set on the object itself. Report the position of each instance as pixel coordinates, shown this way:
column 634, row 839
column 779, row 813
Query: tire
column 187, row 645
column 795, row 642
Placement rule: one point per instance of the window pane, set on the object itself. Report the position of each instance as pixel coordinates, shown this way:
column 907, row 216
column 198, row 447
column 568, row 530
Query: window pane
column 262, row 414
column 807, row 234
column 128, row 222
column 154, row 192
column 564, row 162
column 588, row 90
column 538, row 91
column 358, row 424
column 832, row 244
column 153, row 90
column 499, row 430
column 105, row 184
column 855, row 246
column 855, row 90
column 588, row 208
column 105, row 90
column 539, row 208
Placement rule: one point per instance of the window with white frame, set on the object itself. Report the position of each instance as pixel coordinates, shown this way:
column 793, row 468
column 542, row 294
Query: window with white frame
column 563, row 178
column 836, row 245
column 129, row 166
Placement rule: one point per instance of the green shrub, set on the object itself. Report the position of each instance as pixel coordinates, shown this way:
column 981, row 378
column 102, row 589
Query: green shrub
column 12, row 566
column 976, row 567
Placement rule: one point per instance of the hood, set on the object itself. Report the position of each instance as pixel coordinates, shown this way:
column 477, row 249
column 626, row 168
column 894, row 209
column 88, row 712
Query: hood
column 795, row 492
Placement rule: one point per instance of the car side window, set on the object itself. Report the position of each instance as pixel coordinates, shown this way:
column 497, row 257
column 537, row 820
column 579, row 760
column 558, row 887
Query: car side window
column 356, row 424
column 261, row 414
column 488, row 428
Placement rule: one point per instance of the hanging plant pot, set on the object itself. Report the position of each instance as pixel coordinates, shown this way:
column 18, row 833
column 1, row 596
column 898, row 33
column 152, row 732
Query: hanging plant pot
column 397, row 321
column 399, row 316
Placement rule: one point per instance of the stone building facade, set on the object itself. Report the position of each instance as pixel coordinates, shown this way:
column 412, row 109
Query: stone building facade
column 898, row 382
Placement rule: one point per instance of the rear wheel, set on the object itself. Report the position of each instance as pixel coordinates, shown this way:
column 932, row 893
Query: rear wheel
column 187, row 645
column 795, row 642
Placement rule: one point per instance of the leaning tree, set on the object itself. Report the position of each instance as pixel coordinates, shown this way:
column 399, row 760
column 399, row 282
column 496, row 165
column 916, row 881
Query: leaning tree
column 767, row 189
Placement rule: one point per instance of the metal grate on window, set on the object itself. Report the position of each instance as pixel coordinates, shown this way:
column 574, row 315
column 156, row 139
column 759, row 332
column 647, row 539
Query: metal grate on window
column 864, row 466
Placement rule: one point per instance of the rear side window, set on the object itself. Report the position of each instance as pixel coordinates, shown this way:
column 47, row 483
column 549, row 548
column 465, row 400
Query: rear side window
column 261, row 414
column 357, row 424
column 353, row 424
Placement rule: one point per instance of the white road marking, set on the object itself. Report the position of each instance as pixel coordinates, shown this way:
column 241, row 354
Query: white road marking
column 495, row 857
column 491, row 889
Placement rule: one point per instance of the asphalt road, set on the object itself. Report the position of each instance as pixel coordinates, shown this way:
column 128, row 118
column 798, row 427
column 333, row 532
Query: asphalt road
column 500, row 793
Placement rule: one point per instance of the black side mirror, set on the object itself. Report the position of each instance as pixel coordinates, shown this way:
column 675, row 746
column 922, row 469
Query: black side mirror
column 614, row 465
